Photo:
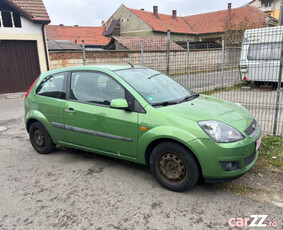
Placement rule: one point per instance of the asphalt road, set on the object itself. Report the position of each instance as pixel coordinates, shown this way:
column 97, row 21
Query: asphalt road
column 202, row 81
column 71, row 189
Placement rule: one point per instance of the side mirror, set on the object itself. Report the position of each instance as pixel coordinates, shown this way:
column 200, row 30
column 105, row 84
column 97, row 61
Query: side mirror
column 119, row 104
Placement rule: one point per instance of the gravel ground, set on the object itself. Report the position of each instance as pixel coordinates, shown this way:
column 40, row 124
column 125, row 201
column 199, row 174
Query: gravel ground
column 71, row 189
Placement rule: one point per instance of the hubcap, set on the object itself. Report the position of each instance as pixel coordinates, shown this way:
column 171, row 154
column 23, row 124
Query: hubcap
column 39, row 137
column 172, row 168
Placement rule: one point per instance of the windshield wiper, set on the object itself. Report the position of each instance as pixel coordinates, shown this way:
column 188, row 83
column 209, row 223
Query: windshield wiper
column 154, row 75
column 165, row 103
column 188, row 98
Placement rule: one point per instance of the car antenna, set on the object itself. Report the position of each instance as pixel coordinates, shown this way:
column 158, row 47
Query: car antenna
column 130, row 64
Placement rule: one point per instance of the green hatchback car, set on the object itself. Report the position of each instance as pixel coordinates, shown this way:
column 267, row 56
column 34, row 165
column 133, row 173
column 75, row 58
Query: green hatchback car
column 141, row 115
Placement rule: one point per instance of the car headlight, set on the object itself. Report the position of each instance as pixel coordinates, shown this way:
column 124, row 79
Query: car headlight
column 220, row 132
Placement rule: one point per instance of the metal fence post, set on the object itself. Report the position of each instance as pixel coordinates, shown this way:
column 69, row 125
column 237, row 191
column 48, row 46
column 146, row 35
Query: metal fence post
column 223, row 62
column 84, row 56
column 168, row 53
column 142, row 52
column 189, row 69
column 280, row 75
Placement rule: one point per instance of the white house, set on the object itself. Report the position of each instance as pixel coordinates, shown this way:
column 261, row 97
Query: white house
column 23, row 48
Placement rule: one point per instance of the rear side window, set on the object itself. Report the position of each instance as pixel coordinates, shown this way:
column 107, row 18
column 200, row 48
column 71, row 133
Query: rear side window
column 53, row 86
column 95, row 87
column 267, row 51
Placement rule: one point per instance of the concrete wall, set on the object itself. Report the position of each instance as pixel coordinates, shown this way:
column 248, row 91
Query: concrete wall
column 28, row 32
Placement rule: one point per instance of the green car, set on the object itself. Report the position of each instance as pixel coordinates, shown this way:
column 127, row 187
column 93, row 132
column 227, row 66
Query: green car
column 141, row 115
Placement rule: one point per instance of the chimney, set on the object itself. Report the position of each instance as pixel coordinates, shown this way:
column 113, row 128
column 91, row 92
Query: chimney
column 142, row 8
column 174, row 14
column 229, row 11
column 155, row 11
column 61, row 24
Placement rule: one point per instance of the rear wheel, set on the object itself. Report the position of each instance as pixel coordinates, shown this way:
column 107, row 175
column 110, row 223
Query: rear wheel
column 174, row 166
column 40, row 138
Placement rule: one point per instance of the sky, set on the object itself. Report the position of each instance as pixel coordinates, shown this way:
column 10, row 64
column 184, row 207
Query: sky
column 93, row 12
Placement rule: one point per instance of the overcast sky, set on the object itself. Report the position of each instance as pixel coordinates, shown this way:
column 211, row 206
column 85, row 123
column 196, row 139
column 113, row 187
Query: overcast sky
column 92, row 12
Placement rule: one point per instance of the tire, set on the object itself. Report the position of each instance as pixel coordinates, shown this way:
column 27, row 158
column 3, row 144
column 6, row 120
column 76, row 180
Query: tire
column 40, row 138
column 174, row 166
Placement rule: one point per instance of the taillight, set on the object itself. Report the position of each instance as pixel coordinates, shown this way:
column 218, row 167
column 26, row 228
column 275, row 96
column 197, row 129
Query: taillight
column 30, row 88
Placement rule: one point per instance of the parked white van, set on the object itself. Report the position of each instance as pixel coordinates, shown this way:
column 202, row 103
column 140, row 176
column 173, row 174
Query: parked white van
column 260, row 55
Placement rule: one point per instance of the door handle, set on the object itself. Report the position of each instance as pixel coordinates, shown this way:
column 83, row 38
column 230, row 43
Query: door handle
column 71, row 110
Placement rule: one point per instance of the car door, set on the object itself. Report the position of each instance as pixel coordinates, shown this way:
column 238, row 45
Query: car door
column 90, row 121
column 50, row 100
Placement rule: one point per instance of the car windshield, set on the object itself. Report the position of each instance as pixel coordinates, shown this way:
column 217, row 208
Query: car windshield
column 157, row 88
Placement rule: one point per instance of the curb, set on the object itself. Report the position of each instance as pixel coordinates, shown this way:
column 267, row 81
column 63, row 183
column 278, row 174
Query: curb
column 12, row 96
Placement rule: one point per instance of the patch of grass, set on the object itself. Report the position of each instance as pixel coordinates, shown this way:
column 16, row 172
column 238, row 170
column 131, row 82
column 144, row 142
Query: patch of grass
column 239, row 188
column 271, row 151
column 221, row 89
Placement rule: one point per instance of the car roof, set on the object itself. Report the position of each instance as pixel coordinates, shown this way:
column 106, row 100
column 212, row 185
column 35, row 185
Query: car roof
column 94, row 67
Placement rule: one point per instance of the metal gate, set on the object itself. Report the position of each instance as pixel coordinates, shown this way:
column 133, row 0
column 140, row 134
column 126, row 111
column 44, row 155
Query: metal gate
column 19, row 65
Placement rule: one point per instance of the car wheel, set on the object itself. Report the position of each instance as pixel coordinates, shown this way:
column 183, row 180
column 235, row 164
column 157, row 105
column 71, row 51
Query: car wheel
column 174, row 166
column 40, row 138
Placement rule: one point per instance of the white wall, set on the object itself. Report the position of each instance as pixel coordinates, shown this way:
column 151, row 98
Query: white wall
column 27, row 28
column 28, row 32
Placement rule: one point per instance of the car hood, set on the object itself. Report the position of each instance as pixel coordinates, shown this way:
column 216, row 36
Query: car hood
column 211, row 108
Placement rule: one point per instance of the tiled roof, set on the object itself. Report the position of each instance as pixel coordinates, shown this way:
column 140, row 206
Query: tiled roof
column 75, row 34
column 149, row 43
column 34, row 10
column 213, row 22
column 164, row 22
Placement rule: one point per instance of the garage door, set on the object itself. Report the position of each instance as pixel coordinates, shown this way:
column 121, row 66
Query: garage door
column 19, row 65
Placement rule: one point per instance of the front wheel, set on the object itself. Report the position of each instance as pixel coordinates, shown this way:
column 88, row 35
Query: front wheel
column 40, row 138
column 174, row 166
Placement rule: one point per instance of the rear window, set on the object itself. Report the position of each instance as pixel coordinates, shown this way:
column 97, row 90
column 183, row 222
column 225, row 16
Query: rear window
column 266, row 51
column 53, row 86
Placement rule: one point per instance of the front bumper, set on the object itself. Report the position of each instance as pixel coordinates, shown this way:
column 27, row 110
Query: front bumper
column 210, row 154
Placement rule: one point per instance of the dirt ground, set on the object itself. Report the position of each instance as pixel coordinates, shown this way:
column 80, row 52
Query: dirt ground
column 71, row 189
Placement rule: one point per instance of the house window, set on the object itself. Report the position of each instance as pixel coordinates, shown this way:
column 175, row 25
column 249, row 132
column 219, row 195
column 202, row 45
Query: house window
column 6, row 19
column 17, row 20
column 267, row 4
column 10, row 19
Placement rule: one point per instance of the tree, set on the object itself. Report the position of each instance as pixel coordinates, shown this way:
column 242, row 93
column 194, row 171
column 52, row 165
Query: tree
column 234, row 33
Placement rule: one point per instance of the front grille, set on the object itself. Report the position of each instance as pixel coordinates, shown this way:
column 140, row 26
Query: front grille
column 252, row 130
column 248, row 160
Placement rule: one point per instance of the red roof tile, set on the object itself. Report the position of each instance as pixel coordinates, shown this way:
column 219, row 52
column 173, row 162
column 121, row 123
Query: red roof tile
column 164, row 22
column 149, row 43
column 91, row 35
column 213, row 22
column 34, row 10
